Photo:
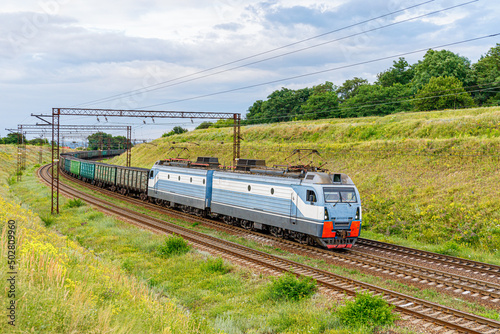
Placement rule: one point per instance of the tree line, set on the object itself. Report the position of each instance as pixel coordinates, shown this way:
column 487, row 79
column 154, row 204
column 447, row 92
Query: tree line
column 441, row 80
column 96, row 141
column 12, row 138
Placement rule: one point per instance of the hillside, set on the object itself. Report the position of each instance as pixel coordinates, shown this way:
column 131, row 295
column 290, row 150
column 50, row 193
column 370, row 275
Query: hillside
column 425, row 178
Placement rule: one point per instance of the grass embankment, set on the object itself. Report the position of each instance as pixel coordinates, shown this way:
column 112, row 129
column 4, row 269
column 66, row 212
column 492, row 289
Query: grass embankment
column 61, row 287
column 103, row 275
column 428, row 180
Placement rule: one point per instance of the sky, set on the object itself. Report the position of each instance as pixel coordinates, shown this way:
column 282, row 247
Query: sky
column 213, row 56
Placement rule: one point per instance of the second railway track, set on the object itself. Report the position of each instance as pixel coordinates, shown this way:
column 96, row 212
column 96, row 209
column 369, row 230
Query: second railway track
column 441, row 316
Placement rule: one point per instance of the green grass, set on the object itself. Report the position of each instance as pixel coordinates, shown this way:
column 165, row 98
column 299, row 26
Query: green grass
column 215, row 266
column 217, row 296
column 428, row 294
column 62, row 287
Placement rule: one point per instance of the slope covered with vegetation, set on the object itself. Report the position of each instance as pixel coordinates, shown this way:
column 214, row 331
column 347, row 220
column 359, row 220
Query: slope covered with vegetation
column 429, row 178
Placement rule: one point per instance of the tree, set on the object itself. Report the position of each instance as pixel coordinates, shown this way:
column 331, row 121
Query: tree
column 106, row 141
column 400, row 72
column 322, row 103
column 442, row 93
column 486, row 73
column 12, row 138
column 350, row 88
column 378, row 100
column 204, row 125
column 255, row 113
column 281, row 105
column 177, row 130
column 38, row 141
column 442, row 63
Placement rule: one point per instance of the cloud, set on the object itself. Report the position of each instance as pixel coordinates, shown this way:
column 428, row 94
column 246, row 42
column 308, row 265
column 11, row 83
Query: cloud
column 229, row 26
column 80, row 51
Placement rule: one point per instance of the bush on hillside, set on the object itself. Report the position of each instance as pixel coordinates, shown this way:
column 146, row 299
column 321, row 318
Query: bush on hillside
column 74, row 203
column 289, row 287
column 173, row 245
column 366, row 310
column 216, row 266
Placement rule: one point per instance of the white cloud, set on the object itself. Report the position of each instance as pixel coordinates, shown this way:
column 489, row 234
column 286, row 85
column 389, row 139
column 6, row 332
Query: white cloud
column 64, row 52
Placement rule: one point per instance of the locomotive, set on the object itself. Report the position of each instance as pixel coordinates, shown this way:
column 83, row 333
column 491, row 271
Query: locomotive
column 308, row 205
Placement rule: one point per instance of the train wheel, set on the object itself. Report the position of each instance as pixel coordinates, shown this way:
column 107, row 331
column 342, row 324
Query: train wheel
column 278, row 232
column 247, row 225
column 143, row 197
column 300, row 238
column 311, row 241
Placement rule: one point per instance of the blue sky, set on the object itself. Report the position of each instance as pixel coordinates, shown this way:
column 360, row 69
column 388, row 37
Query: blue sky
column 65, row 53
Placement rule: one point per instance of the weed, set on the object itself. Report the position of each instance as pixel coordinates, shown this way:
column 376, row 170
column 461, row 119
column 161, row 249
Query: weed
column 366, row 310
column 173, row 245
column 289, row 287
column 215, row 266
column 74, row 203
column 48, row 220
column 128, row 265
column 449, row 248
column 11, row 180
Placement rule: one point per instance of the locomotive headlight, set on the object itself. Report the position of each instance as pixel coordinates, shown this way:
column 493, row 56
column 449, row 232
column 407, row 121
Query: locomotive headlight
column 358, row 213
column 326, row 214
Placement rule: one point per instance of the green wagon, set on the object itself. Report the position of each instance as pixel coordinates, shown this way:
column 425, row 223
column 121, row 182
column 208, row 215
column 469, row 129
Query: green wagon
column 87, row 170
column 75, row 167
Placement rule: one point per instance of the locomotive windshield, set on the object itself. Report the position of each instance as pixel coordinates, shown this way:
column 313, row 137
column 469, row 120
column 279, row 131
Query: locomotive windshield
column 335, row 195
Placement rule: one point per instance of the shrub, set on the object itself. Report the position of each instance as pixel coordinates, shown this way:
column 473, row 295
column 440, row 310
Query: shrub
column 366, row 310
column 289, row 287
column 215, row 266
column 173, row 245
column 177, row 130
column 74, row 203
column 48, row 220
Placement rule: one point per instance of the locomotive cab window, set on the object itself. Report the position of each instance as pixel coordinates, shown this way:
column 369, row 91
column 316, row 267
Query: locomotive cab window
column 311, row 196
column 335, row 195
column 151, row 174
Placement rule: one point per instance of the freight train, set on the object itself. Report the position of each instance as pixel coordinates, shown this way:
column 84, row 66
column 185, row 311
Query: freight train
column 304, row 204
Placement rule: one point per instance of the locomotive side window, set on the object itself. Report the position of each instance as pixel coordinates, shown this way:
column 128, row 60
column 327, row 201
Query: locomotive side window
column 151, row 174
column 311, row 196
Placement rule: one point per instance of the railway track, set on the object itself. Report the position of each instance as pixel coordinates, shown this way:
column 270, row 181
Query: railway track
column 463, row 286
column 431, row 258
column 421, row 310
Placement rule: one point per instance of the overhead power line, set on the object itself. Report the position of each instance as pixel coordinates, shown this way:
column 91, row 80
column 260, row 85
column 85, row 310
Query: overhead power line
column 162, row 85
column 322, row 71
